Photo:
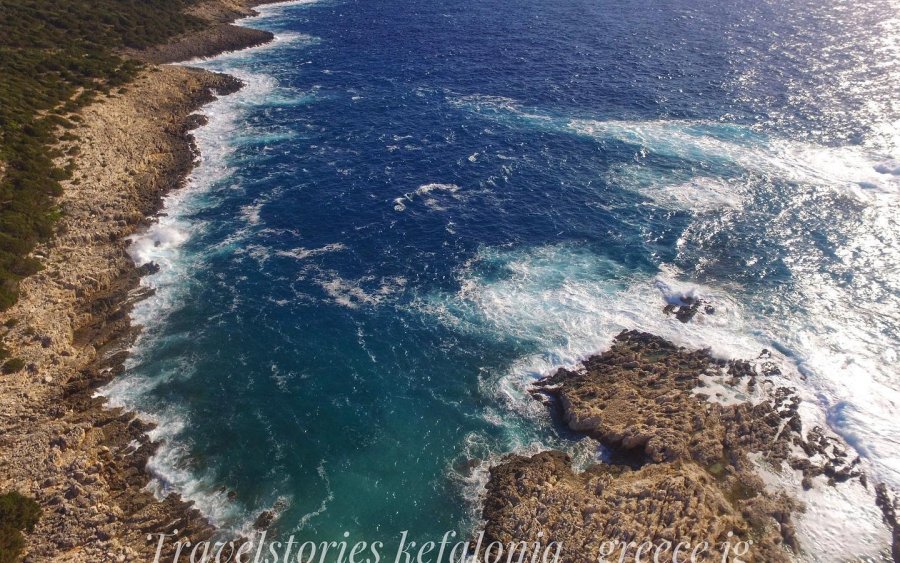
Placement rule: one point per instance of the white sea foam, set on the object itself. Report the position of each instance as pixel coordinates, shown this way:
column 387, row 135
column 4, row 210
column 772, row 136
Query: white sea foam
column 846, row 357
column 304, row 253
column 280, row 40
column 487, row 103
column 423, row 191
column 167, row 468
column 839, row 340
column 171, row 475
column 700, row 194
column 161, row 242
column 368, row 291
column 677, row 295
column 734, row 148
column 329, row 496
column 250, row 212
column 840, row 523
column 571, row 303
column 157, row 243
column 266, row 13
column 470, row 471
column 569, row 295
column 848, row 169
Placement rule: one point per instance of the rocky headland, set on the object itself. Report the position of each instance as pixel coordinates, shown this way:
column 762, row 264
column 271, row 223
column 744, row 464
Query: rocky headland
column 218, row 36
column 680, row 467
column 84, row 463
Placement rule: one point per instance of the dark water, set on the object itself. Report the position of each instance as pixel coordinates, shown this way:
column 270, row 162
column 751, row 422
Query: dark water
column 415, row 208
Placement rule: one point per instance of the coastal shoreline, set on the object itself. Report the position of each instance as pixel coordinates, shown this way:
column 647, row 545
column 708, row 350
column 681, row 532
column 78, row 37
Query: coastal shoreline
column 85, row 463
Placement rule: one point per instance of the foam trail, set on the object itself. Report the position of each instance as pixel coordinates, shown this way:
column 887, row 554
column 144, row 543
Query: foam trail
column 729, row 149
column 266, row 15
column 569, row 303
column 162, row 244
column 329, row 496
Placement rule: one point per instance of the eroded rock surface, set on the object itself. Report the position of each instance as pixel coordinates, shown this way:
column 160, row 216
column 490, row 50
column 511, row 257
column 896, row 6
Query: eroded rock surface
column 692, row 481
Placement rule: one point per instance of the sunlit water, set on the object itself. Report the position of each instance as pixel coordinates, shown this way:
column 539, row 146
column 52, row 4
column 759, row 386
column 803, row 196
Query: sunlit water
column 416, row 208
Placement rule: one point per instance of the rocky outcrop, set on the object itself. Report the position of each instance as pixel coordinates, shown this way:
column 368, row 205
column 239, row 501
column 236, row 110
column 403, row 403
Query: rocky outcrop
column 216, row 39
column 889, row 504
column 687, row 308
column 683, row 472
column 217, row 36
column 682, row 502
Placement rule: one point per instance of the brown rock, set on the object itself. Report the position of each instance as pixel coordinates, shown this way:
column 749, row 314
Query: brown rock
column 692, row 480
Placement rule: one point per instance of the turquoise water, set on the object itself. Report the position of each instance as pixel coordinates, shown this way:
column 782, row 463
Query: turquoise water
column 414, row 209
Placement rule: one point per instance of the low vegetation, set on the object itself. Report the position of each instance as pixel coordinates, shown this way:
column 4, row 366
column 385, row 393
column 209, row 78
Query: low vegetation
column 18, row 513
column 56, row 56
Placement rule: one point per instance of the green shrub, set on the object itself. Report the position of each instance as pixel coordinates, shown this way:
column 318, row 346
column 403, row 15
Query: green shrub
column 11, row 544
column 17, row 513
column 55, row 56
column 13, row 365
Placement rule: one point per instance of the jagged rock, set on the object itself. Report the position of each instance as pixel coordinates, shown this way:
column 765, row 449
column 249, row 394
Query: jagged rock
column 264, row 520
column 890, row 508
column 692, row 480
column 687, row 309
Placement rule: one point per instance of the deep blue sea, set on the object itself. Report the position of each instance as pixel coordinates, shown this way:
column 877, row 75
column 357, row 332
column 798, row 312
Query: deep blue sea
column 415, row 208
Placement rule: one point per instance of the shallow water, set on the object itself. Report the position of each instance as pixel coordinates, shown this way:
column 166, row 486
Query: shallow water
column 416, row 208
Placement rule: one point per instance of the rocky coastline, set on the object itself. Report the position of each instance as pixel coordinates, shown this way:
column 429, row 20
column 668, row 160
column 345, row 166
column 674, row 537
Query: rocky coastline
column 680, row 467
column 683, row 467
column 219, row 35
column 85, row 463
